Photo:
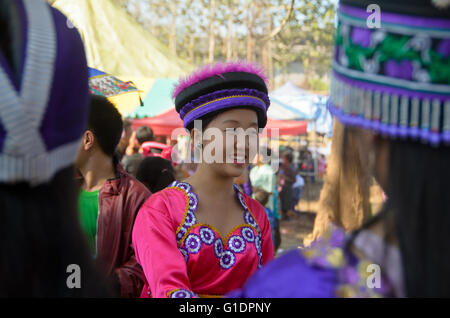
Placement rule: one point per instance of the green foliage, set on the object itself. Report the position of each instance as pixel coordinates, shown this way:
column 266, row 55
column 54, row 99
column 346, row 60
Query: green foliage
column 243, row 25
column 317, row 84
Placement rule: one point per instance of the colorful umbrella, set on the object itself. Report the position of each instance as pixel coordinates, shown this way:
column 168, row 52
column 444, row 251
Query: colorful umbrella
column 101, row 83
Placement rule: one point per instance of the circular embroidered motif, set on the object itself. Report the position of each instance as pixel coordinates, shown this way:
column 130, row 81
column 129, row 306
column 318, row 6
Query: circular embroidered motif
column 236, row 244
column 193, row 201
column 173, row 184
column 184, row 186
column 190, row 219
column 248, row 234
column 227, row 260
column 193, row 243
column 258, row 244
column 207, row 235
column 218, row 248
column 249, row 219
column 241, row 200
column 182, row 293
column 181, row 233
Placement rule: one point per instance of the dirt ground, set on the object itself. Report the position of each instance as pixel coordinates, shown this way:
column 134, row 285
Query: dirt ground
column 294, row 230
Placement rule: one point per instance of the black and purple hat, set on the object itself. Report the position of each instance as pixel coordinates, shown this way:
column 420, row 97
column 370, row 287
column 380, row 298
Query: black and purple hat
column 222, row 86
column 44, row 93
column 395, row 78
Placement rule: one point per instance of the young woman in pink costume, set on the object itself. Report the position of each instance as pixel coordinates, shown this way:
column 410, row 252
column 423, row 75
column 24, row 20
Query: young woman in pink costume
column 203, row 237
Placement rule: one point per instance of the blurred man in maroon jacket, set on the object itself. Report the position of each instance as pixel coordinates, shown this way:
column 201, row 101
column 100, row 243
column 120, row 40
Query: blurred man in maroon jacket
column 109, row 198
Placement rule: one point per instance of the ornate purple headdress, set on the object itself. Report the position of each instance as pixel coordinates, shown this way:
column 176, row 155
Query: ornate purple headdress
column 221, row 86
column 395, row 78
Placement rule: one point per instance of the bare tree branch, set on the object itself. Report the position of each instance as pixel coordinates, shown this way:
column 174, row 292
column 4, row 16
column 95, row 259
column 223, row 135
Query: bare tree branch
column 283, row 23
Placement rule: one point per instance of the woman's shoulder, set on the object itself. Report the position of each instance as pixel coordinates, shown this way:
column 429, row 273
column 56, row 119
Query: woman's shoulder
column 168, row 199
column 254, row 206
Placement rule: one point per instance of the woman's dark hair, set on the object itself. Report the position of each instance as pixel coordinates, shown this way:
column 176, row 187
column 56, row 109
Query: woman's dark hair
column 106, row 124
column 155, row 173
column 40, row 237
column 417, row 214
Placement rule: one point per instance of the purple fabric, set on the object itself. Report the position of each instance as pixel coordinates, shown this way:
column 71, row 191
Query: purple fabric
column 446, row 137
column 402, row 70
column 222, row 104
column 361, row 36
column 401, row 19
column 289, row 276
column 444, row 48
column 389, row 89
column 221, row 94
column 247, row 187
column 66, row 115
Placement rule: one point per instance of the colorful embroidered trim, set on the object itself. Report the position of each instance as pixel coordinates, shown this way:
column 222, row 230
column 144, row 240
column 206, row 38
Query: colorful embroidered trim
column 328, row 252
column 393, row 80
column 181, row 293
column 191, row 243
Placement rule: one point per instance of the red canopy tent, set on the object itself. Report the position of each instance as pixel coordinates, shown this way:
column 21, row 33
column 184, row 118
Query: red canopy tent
column 164, row 124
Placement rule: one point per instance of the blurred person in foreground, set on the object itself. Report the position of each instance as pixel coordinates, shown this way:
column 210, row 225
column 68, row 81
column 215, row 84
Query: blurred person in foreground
column 110, row 198
column 42, row 118
column 389, row 95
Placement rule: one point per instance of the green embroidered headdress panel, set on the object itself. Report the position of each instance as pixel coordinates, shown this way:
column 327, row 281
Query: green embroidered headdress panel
column 393, row 75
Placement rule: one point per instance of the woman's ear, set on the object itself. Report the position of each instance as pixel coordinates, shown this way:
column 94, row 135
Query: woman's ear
column 88, row 140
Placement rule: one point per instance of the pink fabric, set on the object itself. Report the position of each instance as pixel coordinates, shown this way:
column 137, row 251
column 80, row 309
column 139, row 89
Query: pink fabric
column 165, row 267
column 217, row 69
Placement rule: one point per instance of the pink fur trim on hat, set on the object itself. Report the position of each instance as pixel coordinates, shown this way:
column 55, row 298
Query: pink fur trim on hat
column 217, row 69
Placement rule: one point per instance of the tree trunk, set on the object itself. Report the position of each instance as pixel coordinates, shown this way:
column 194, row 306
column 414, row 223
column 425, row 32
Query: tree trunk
column 212, row 37
column 230, row 32
column 250, row 19
column 173, row 28
column 268, row 45
column 306, row 68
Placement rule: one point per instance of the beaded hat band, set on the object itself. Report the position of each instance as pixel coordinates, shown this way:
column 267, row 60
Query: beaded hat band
column 394, row 79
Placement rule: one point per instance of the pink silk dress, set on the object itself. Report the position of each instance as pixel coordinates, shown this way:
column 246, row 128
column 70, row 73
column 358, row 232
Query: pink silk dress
column 182, row 258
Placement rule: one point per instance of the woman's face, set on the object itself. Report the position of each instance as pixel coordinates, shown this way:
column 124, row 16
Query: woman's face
column 230, row 142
